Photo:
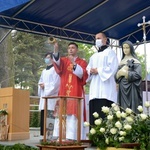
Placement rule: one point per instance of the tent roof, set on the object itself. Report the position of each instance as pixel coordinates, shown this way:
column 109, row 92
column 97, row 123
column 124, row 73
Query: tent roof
column 77, row 20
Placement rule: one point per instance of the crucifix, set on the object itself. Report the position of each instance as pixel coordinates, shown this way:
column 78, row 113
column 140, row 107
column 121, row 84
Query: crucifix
column 130, row 63
column 143, row 24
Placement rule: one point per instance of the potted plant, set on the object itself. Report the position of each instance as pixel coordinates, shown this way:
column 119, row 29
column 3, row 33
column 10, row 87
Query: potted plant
column 121, row 128
column 17, row 146
column 3, row 112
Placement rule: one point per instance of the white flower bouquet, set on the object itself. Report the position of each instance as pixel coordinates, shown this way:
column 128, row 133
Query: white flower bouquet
column 120, row 126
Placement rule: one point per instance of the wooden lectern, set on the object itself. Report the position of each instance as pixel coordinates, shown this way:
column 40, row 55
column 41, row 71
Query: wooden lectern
column 62, row 104
column 16, row 102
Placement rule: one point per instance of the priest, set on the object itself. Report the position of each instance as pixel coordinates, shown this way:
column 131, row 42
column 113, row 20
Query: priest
column 73, row 75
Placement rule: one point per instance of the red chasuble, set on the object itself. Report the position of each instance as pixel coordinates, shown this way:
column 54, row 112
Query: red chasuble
column 71, row 85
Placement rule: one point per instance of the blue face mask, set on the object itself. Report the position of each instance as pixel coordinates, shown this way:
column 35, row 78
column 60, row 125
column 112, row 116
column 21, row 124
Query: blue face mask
column 47, row 61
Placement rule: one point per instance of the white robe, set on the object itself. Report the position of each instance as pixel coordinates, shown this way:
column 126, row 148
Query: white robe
column 71, row 126
column 103, row 84
column 51, row 81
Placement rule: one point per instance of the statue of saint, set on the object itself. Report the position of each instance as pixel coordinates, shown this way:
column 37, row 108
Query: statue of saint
column 128, row 77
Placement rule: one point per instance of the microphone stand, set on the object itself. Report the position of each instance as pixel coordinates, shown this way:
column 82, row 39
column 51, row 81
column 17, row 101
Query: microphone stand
column 144, row 41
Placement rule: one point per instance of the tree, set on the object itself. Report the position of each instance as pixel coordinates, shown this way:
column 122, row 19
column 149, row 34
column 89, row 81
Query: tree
column 29, row 51
column 85, row 52
column 6, row 60
column 142, row 61
column 35, row 118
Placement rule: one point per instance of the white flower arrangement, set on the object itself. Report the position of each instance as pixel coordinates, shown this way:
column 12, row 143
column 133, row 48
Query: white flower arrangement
column 120, row 126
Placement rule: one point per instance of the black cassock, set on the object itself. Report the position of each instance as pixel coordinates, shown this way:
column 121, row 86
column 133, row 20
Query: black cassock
column 130, row 93
column 95, row 105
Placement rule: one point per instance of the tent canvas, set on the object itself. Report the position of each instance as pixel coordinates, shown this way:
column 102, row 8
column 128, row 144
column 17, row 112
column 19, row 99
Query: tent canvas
column 77, row 20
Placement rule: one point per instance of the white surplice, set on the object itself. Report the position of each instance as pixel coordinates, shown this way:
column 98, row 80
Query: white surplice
column 51, row 82
column 103, row 84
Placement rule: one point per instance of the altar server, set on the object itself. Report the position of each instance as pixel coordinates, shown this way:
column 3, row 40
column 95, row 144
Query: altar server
column 101, row 70
column 48, row 85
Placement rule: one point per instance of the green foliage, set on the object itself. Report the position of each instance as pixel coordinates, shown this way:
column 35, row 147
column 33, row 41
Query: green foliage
column 85, row 52
column 63, row 45
column 142, row 131
column 142, row 61
column 3, row 112
column 28, row 52
column 17, row 147
column 6, row 60
column 56, row 143
column 35, row 122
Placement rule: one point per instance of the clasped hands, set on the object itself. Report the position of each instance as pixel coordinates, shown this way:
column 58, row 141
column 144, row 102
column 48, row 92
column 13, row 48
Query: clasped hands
column 41, row 85
column 123, row 71
column 93, row 71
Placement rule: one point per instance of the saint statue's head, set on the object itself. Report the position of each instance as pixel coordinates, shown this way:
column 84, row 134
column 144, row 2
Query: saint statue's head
column 128, row 49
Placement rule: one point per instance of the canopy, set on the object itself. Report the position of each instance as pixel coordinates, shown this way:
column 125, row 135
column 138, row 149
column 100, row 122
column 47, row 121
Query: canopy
column 77, row 20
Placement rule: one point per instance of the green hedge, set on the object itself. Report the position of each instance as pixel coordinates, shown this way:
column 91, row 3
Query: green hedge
column 17, row 147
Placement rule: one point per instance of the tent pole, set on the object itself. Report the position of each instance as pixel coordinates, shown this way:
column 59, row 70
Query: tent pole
column 5, row 36
column 143, row 24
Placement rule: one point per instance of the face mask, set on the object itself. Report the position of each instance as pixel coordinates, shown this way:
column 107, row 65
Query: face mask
column 98, row 43
column 47, row 61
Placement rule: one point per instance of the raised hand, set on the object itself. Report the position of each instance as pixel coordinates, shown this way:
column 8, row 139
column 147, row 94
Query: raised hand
column 56, row 47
